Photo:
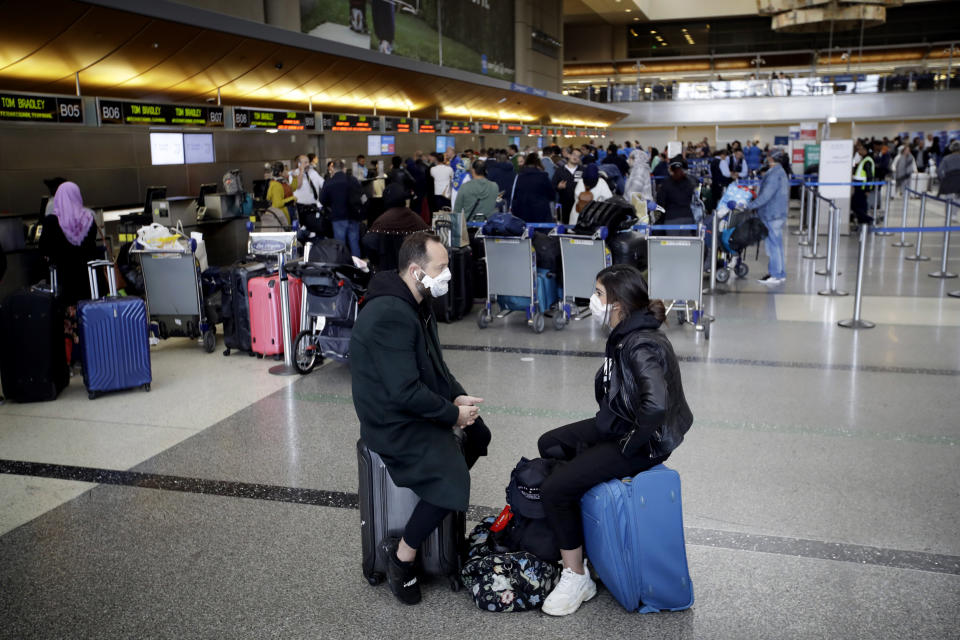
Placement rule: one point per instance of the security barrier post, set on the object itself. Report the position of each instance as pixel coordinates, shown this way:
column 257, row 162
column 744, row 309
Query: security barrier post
column 856, row 322
column 902, row 242
column 917, row 256
column 943, row 273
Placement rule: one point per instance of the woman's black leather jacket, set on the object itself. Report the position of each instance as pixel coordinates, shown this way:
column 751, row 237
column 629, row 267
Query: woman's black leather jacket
column 639, row 389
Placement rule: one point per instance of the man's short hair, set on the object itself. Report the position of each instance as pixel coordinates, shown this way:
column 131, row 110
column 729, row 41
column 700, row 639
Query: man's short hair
column 338, row 165
column 514, row 148
column 361, row 157
column 479, row 167
column 414, row 249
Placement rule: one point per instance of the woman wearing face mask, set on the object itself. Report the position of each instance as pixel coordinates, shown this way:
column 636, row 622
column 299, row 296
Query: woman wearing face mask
column 643, row 416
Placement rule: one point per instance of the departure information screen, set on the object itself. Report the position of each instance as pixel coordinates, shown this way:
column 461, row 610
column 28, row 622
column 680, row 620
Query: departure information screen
column 117, row 112
column 430, row 126
column 514, row 129
column 535, row 131
column 264, row 119
column 36, row 108
column 490, row 127
column 398, row 125
column 460, row 128
column 348, row 122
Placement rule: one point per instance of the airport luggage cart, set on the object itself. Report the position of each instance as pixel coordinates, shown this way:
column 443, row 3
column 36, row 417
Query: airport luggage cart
column 675, row 275
column 511, row 271
column 174, row 294
column 582, row 257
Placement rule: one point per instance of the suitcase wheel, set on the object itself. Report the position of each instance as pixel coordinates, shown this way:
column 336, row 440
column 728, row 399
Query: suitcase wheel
column 455, row 585
column 92, row 395
column 375, row 579
column 146, row 387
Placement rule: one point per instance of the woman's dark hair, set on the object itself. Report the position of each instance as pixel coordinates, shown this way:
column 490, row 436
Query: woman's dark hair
column 277, row 169
column 625, row 285
column 533, row 160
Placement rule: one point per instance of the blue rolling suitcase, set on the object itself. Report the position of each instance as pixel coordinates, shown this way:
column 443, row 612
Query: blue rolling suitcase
column 633, row 536
column 114, row 338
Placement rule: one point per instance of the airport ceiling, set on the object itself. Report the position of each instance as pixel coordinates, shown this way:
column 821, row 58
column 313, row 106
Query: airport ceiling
column 160, row 51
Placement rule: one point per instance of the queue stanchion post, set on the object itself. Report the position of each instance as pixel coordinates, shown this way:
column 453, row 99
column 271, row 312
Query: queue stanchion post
column 944, row 257
column 805, row 239
column 287, row 368
column 833, row 250
column 833, row 230
column 917, row 256
column 815, row 233
column 902, row 242
column 800, row 230
column 887, row 190
column 856, row 322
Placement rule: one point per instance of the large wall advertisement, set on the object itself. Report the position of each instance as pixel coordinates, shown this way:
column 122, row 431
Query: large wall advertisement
column 473, row 35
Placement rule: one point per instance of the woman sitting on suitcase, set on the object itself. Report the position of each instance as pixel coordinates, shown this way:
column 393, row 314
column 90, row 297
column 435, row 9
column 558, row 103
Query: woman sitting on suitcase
column 642, row 418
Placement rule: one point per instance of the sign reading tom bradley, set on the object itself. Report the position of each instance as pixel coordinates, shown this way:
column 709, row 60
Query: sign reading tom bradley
column 16, row 107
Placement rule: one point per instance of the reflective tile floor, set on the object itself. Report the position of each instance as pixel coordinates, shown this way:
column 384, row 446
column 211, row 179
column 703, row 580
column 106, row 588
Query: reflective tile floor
column 820, row 479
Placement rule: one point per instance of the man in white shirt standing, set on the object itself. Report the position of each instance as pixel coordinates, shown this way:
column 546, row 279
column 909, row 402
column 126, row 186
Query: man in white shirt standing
column 442, row 175
column 307, row 185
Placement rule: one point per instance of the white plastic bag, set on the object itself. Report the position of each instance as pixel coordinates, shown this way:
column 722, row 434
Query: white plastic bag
column 157, row 236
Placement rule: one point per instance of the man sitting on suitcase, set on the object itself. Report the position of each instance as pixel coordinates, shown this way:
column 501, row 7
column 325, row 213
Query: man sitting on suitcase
column 410, row 405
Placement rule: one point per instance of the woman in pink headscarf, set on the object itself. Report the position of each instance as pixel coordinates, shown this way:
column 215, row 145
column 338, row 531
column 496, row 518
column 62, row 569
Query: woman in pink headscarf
column 68, row 241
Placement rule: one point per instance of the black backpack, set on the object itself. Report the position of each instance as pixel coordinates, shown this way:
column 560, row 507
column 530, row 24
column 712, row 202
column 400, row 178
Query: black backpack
column 548, row 252
column 614, row 213
column 628, row 247
column 329, row 251
column 751, row 231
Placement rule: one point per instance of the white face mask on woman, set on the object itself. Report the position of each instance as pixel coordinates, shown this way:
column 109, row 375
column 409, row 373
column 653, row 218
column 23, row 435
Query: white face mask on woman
column 601, row 312
column 436, row 286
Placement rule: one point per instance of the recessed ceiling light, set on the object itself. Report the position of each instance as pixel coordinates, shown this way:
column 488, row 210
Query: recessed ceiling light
column 636, row 18
column 627, row 10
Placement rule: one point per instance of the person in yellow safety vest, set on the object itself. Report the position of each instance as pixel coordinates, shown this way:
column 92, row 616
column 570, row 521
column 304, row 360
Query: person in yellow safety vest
column 864, row 172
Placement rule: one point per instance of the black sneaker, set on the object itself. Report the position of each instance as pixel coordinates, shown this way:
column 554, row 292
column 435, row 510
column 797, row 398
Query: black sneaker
column 401, row 576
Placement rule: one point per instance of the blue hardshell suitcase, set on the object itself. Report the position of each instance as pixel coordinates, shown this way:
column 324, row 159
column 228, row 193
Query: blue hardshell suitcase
column 633, row 536
column 114, row 339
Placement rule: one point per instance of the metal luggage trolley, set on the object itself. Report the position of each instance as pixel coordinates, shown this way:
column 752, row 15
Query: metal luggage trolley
column 675, row 275
column 174, row 294
column 582, row 257
column 511, row 271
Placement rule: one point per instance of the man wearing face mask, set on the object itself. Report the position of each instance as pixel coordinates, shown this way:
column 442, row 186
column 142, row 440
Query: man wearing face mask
column 409, row 403
column 642, row 418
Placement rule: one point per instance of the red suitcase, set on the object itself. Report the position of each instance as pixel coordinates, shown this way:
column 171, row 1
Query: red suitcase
column 266, row 333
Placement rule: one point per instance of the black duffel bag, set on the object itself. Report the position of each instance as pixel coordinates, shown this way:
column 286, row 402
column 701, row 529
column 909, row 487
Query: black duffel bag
column 614, row 213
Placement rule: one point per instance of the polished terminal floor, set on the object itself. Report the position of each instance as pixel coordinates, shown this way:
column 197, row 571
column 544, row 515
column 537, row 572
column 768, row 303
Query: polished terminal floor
column 820, row 479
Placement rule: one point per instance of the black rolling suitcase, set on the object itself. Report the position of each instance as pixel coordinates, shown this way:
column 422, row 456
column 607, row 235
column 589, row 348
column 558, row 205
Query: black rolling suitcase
column 235, row 305
column 458, row 300
column 384, row 511
column 479, row 265
column 33, row 357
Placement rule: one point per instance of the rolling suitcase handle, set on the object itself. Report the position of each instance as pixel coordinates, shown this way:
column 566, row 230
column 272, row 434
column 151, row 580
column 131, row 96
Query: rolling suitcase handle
column 92, row 276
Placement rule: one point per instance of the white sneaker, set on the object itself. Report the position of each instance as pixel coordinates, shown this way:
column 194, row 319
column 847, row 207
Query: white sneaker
column 572, row 591
column 768, row 279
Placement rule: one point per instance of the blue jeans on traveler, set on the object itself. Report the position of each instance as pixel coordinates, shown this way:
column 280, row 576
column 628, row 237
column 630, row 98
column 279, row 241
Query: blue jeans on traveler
column 774, row 247
column 348, row 232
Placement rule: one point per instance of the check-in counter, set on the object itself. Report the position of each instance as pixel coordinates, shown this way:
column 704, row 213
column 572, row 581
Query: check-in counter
column 224, row 236
column 25, row 265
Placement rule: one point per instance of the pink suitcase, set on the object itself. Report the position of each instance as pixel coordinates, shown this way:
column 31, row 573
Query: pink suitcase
column 266, row 335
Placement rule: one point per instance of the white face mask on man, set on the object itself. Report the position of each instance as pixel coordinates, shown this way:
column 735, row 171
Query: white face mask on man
column 601, row 312
column 436, row 286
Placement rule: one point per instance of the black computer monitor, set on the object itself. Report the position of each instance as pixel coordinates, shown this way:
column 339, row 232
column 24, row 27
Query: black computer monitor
column 153, row 193
column 210, row 187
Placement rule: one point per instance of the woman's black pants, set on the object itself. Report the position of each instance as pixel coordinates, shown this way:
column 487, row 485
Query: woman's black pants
column 588, row 461
column 426, row 517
